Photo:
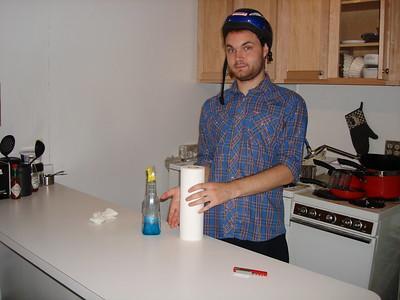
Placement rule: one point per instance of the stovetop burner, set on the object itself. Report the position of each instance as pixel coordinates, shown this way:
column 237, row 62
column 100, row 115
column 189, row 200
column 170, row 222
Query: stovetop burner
column 367, row 202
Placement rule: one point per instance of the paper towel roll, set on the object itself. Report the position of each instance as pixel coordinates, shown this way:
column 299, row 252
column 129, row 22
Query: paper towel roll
column 191, row 222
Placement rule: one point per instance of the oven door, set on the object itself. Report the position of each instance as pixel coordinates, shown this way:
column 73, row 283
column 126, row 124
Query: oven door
column 339, row 254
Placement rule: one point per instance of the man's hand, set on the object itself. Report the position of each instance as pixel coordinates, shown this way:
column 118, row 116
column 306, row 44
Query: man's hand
column 174, row 206
column 210, row 194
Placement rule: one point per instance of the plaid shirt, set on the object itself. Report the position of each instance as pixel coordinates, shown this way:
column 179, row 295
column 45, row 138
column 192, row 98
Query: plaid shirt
column 245, row 136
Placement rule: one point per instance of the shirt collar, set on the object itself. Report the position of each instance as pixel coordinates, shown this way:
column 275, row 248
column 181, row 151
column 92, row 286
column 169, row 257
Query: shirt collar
column 262, row 87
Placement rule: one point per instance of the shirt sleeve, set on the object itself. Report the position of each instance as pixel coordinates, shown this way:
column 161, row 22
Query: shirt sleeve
column 294, row 133
column 204, row 156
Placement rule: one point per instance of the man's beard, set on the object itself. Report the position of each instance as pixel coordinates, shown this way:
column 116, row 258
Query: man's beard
column 250, row 75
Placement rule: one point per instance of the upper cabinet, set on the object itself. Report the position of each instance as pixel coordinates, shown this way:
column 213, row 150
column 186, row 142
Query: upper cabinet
column 315, row 41
column 210, row 56
column 302, row 37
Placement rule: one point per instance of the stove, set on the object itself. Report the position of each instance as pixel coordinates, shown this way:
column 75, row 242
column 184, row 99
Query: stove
column 359, row 245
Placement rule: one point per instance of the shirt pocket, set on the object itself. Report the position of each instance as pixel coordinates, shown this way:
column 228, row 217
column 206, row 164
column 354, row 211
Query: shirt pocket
column 263, row 127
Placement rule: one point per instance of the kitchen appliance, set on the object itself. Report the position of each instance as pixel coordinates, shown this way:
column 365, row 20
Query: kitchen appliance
column 5, row 175
column 4, row 178
column 6, row 147
column 288, row 195
column 355, row 244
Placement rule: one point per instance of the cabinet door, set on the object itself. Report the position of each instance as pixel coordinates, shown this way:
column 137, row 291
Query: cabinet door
column 391, row 45
column 303, row 39
column 269, row 9
column 211, row 16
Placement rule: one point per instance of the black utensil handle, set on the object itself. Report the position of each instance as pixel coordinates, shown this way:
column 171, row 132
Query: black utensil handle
column 325, row 165
column 308, row 147
column 313, row 181
column 351, row 163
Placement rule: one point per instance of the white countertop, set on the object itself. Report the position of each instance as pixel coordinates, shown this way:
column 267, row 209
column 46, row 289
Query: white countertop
column 114, row 260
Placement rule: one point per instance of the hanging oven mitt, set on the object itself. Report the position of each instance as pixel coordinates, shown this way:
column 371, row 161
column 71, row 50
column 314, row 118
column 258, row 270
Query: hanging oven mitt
column 359, row 130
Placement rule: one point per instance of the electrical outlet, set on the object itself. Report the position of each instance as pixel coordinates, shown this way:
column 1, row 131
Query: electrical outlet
column 392, row 148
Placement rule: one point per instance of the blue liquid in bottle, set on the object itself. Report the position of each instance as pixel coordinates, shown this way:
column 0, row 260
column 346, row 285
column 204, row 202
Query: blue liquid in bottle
column 151, row 225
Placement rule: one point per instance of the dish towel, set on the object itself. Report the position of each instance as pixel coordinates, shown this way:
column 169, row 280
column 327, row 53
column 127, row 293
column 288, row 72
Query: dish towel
column 100, row 217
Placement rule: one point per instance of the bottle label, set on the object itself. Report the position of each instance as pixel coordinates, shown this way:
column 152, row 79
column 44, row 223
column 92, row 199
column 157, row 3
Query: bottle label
column 16, row 190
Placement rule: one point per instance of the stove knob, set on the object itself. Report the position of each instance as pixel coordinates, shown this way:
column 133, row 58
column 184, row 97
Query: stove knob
column 347, row 222
column 357, row 225
column 303, row 210
column 312, row 213
column 330, row 218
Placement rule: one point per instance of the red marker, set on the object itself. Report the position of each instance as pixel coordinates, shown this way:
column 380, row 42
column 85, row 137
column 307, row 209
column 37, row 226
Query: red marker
column 250, row 271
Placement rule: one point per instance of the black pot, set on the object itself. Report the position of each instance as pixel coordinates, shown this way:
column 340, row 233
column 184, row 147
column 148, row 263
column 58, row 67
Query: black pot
column 380, row 162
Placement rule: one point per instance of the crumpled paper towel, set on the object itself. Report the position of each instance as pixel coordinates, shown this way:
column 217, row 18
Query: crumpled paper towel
column 100, row 217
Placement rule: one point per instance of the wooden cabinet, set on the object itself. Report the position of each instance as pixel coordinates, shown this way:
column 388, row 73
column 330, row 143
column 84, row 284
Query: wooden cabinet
column 211, row 16
column 356, row 17
column 210, row 57
column 308, row 38
column 316, row 35
column 302, row 40
column 391, row 45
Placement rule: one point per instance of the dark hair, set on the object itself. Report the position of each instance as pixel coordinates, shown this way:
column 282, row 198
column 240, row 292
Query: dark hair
column 247, row 19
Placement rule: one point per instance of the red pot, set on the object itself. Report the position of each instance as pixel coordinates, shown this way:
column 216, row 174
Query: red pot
column 382, row 184
column 378, row 184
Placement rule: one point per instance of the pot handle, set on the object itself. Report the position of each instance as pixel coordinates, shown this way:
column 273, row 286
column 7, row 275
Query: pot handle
column 351, row 163
column 313, row 181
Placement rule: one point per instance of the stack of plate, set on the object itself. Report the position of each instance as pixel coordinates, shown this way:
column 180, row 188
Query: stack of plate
column 347, row 60
column 356, row 67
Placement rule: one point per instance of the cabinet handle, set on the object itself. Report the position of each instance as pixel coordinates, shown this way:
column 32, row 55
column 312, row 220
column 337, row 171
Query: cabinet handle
column 385, row 71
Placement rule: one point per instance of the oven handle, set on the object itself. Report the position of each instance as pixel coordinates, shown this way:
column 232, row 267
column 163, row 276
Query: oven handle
column 331, row 230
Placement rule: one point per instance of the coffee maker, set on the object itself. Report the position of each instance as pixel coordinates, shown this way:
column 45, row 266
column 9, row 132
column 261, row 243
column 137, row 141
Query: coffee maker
column 4, row 179
column 5, row 175
column 6, row 147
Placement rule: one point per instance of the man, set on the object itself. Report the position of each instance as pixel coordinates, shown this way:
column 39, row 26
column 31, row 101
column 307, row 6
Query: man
column 250, row 142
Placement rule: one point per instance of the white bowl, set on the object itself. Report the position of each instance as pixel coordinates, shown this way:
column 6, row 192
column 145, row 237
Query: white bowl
column 370, row 72
column 371, row 59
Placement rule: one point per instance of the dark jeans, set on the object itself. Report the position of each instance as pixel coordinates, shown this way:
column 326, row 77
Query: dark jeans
column 275, row 248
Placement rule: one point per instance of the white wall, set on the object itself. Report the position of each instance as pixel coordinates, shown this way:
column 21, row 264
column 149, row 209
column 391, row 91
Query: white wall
column 110, row 87
column 328, row 105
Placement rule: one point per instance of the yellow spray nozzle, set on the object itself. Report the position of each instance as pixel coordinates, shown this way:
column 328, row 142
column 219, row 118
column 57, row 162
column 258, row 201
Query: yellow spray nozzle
column 151, row 174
